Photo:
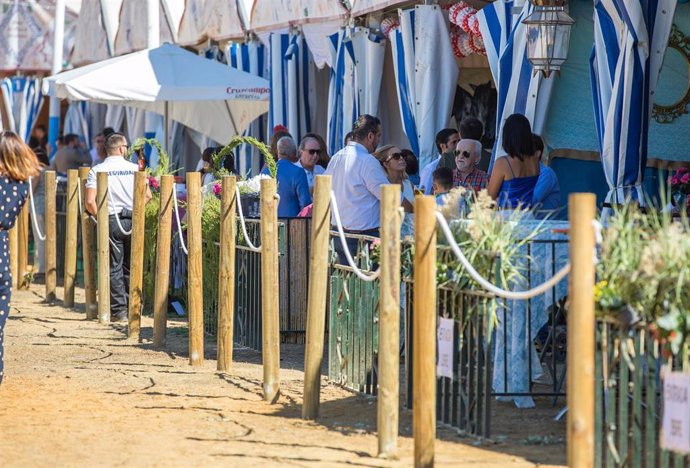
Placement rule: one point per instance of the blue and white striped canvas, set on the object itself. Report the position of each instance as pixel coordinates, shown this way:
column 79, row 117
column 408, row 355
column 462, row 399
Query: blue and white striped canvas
column 425, row 76
column 519, row 90
column 22, row 99
column 630, row 38
column 250, row 57
column 355, row 81
column 291, row 77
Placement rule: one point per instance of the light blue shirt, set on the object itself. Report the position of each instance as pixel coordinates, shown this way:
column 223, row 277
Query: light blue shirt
column 547, row 192
column 426, row 177
column 356, row 181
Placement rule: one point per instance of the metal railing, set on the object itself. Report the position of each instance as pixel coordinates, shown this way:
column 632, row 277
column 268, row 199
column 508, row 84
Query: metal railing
column 628, row 398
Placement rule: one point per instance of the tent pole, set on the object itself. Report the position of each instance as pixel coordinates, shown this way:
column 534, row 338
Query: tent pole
column 58, row 40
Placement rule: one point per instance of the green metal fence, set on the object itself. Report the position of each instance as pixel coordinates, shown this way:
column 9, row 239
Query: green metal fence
column 628, row 399
column 353, row 336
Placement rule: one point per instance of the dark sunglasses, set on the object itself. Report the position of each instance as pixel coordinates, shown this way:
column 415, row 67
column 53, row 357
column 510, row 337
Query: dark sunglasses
column 465, row 154
column 396, row 156
column 314, row 151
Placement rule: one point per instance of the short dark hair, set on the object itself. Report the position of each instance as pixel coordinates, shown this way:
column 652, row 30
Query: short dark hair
column 114, row 140
column 443, row 136
column 229, row 162
column 208, row 152
column 411, row 160
column 70, row 137
column 348, row 137
column 538, row 143
column 364, row 125
column 443, row 176
column 471, row 128
column 517, row 137
column 107, row 131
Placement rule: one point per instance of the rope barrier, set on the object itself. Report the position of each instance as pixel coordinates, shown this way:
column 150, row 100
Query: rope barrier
column 341, row 234
column 117, row 218
column 483, row 282
column 41, row 236
column 250, row 245
column 177, row 218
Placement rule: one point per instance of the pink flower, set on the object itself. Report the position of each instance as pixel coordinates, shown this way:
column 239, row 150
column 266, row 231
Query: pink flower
column 217, row 189
column 153, row 183
column 685, row 178
column 682, row 170
column 674, row 180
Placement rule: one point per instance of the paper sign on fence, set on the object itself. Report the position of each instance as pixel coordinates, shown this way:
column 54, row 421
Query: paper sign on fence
column 675, row 430
column 444, row 365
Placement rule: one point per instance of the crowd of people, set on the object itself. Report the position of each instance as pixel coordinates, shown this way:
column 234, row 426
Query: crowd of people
column 518, row 180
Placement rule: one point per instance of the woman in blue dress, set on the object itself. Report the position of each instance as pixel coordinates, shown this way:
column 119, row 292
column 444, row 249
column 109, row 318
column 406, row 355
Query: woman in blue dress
column 514, row 177
column 17, row 164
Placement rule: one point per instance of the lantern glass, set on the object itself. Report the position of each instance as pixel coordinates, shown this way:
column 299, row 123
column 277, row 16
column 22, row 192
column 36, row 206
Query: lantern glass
column 548, row 38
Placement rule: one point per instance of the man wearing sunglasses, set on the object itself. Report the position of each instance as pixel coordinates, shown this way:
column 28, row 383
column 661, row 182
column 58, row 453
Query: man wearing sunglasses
column 309, row 155
column 466, row 174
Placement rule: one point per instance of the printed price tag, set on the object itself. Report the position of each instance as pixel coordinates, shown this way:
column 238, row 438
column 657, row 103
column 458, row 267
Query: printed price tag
column 675, row 430
column 444, row 365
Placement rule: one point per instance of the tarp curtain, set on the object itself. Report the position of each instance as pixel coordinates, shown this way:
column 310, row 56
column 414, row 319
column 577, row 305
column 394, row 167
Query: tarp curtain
column 77, row 121
column 426, row 76
column 250, row 57
column 630, row 38
column 519, row 90
column 355, row 81
column 22, row 100
column 291, row 77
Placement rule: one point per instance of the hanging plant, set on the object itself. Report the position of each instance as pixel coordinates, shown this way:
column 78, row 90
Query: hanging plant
column 217, row 158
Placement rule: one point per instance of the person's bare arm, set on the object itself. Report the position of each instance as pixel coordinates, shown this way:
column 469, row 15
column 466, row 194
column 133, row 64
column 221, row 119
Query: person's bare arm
column 91, row 206
column 149, row 195
column 497, row 176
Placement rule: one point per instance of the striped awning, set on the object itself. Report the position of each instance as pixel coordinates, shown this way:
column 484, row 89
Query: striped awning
column 355, row 81
column 519, row 90
column 630, row 38
column 22, row 100
column 426, row 76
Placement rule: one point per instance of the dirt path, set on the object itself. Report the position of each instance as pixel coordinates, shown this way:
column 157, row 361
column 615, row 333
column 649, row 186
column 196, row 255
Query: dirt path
column 77, row 393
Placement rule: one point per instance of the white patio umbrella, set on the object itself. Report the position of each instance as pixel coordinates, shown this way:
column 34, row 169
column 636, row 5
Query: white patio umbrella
column 205, row 95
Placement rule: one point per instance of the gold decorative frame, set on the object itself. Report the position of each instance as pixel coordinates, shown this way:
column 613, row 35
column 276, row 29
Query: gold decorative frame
column 667, row 114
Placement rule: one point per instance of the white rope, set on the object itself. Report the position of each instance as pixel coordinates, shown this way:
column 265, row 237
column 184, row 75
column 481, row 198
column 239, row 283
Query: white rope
column 39, row 234
column 251, row 246
column 515, row 295
column 343, row 241
column 177, row 218
column 117, row 219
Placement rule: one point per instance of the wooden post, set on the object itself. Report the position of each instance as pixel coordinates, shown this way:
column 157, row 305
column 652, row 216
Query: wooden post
column 226, row 276
column 88, row 242
column 103, row 248
column 316, row 300
column 389, row 322
column 136, row 259
column 194, row 271
column 23, row 247
column 424, row 333
column 14, row 254
column 50, row 234
column 270, row 291
column 71, row 224
column 160, row 295
column 581, row 352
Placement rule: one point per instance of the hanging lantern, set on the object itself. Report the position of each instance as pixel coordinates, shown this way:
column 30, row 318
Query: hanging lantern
column 548, row 35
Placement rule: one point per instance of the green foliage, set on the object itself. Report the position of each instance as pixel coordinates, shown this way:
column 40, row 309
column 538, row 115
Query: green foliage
column 163, row 157
column 644, row 273
column 217, row 158
column 150, row 238
column 210, row 232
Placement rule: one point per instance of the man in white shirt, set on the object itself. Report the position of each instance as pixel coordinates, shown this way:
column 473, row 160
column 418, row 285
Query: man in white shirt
column 357, row 177
column 120, row 203
column 309, row 154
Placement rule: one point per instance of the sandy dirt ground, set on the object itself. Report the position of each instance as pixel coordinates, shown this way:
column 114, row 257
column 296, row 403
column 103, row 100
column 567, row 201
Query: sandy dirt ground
column 78, row 393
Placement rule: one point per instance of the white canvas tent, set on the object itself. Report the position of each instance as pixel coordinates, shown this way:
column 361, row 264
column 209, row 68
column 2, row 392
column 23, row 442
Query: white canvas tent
column 209, row 19
column 204, row 95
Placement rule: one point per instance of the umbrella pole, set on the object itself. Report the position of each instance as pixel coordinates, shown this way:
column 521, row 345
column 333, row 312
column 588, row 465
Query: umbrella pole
column 166, row 117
